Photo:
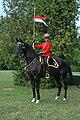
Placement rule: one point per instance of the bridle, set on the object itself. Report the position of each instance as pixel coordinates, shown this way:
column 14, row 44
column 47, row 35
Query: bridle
column 34, row 58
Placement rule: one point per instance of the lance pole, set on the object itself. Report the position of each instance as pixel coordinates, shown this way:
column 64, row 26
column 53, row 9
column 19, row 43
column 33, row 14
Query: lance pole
column 34, row 24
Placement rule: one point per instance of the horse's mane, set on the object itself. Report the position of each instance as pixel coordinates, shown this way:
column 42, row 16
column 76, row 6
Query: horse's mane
column 28, row 46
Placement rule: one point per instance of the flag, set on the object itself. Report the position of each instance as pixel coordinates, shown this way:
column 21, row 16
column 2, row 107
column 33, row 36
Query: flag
column 41, row 19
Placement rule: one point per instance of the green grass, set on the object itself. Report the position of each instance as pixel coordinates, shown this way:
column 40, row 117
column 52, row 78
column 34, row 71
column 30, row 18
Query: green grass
column 16, row 104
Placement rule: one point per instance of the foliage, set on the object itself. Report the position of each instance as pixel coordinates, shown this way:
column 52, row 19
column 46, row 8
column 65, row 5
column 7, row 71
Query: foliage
column 19, row 22
column 6, row 45
column 48, row 83
column 20, row 76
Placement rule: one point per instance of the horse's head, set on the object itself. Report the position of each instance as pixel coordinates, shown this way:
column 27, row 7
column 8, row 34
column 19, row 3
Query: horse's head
column 25, row 48
column 20, row 48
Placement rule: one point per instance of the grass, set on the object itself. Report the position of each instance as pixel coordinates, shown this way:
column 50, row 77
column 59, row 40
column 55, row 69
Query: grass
column 15, row 104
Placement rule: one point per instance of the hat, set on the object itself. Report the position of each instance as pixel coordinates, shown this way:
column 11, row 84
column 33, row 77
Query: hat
column 46, row 35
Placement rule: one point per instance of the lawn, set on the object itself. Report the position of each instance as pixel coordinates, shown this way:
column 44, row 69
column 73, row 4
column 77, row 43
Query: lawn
column 15, row 102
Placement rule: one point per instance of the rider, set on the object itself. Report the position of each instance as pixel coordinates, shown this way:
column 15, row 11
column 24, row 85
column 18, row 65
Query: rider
column 46, row 47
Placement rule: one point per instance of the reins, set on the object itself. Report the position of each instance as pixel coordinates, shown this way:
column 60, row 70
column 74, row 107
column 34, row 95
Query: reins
column 30, row 63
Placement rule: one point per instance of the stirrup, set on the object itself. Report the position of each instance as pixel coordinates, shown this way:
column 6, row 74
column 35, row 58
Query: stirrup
column 47, row 75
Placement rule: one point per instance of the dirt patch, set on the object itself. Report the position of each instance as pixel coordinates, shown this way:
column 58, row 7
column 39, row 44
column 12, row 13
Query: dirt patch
column 7, row 88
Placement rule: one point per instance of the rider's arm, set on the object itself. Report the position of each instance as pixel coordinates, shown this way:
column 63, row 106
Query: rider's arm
column 39, row 46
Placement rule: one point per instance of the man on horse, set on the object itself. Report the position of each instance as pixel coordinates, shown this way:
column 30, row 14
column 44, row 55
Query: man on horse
column 46, row 47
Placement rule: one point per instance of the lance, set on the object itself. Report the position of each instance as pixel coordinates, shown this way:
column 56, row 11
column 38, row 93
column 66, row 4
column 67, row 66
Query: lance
column 33, row 26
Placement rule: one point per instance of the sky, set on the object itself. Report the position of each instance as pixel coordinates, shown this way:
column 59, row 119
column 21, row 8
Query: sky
column 2, row 13
column 78, row 22
column 1, row 9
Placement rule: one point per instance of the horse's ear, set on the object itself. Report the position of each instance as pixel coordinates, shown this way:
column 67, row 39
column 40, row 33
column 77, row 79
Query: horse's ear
column 17, row 40
column 21, row 40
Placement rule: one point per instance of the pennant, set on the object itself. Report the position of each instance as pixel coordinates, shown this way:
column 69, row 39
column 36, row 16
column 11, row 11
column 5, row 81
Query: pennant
column 41, row 19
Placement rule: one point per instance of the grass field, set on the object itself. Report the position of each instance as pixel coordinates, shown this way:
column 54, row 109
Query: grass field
column 15, row 102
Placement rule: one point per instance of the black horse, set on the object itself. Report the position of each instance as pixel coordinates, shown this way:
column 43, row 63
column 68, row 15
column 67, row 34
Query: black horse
column 36, row 70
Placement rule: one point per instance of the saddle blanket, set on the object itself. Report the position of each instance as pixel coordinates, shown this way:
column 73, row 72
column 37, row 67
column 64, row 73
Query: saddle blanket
column 51, row 62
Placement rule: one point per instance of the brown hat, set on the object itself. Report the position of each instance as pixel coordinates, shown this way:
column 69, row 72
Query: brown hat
column 46, row 35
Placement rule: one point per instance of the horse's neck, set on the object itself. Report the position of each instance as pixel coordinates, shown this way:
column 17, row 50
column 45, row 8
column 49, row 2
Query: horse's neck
column 29, row 60
column 29, row 56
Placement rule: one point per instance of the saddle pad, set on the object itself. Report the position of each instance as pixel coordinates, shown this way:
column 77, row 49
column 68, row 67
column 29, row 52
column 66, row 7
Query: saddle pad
column 51, row 62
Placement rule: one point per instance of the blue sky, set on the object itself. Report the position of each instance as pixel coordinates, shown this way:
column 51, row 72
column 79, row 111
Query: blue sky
column 78, row 22
column 1, row 9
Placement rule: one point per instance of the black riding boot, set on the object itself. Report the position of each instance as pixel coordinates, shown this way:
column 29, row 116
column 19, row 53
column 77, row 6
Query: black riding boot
column 47, row 75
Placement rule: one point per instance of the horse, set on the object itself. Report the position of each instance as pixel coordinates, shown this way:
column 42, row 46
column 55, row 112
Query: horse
column 36, row 70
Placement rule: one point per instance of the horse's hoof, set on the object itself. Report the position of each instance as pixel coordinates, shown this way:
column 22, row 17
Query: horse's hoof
column 56, row 97
column 33, row 100
column 64, row 99
column 37, row 101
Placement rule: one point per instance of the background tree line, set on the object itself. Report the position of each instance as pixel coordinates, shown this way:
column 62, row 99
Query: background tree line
column 19, row 22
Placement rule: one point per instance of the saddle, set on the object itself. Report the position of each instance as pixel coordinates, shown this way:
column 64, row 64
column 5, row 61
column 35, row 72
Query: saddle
column 51, row 62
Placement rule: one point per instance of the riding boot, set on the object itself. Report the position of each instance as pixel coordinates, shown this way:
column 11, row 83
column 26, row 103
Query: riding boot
column 47, row 75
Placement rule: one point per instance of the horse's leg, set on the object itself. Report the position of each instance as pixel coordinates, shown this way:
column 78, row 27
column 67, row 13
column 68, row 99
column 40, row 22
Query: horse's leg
column 37, row 90
column 59, row 85
column 33, row 90
column 64, row 77
column 65, row 88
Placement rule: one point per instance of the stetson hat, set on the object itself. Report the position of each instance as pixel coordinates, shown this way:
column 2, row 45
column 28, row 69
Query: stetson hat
column 46, row 35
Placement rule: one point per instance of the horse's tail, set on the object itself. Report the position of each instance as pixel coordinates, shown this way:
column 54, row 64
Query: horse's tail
column 72, row 77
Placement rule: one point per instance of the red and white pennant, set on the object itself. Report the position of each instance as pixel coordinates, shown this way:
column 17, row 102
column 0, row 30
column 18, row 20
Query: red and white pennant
column 41, row 19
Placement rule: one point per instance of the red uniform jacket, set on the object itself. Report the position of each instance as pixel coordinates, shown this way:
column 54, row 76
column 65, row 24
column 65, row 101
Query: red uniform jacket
column 46, row 47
